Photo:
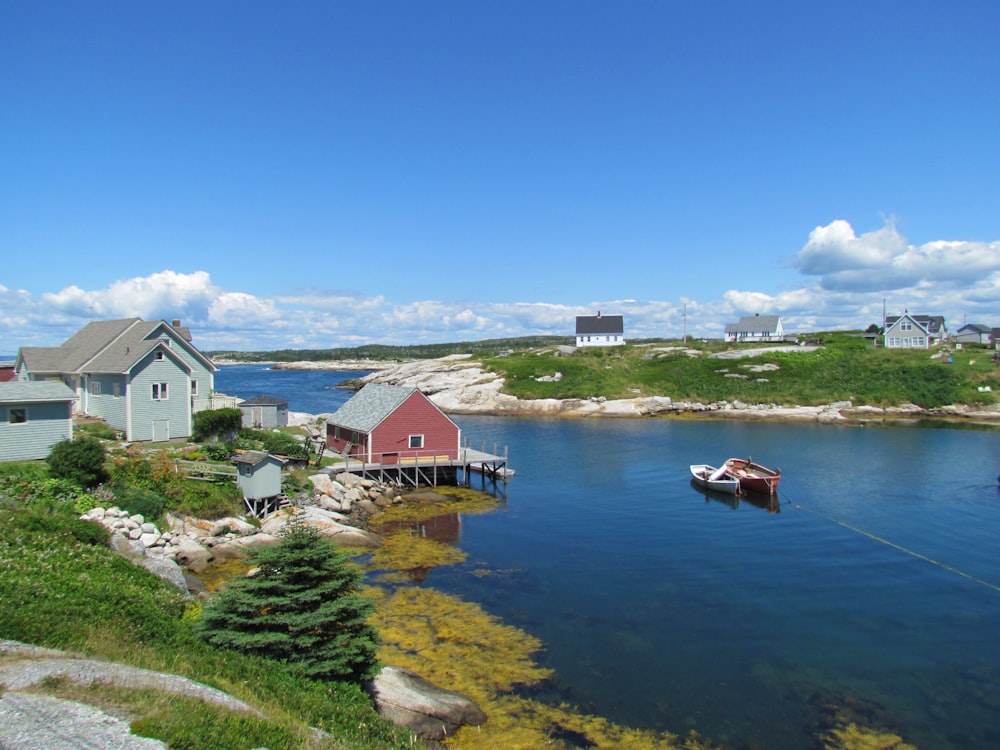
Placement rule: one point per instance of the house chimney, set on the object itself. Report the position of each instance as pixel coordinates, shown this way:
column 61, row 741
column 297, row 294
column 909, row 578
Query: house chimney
column 598, row 313
column 176, row 323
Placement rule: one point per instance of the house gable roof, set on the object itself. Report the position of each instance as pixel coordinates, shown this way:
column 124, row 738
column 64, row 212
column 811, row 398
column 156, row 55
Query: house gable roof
column 370, row 406
column 588, row 325
column 932, row 324
column 754, row 324
column 108, row 346
column 34, row 392
column 974, row 328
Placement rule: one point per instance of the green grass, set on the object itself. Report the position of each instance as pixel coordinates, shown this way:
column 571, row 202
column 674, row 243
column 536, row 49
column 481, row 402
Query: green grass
column 58, row 591
column 845, row 368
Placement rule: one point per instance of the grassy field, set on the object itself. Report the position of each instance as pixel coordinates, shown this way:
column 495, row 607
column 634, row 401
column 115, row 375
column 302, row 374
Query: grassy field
column 844, row 367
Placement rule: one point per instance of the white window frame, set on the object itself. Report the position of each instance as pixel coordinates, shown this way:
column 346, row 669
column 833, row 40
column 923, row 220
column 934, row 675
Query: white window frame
column 116, row 390
column 95, row 387
column 418, row 439
column 160, row 392
column 194, row 387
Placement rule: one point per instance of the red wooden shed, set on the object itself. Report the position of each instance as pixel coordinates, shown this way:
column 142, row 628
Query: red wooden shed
column 392, row 424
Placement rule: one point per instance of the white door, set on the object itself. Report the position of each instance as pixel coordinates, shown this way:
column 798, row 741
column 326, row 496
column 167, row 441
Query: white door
column 161, row 430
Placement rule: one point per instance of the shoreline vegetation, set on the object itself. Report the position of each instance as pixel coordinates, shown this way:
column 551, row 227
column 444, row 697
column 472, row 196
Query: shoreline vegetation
column 837, row 377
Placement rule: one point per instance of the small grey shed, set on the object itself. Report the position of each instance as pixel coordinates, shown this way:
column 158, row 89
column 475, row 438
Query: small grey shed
column 258, row 474
column 264, row 411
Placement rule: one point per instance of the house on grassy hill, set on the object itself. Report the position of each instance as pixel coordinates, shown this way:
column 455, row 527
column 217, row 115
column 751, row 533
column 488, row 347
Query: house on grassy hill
column 392, row 424
column 145, row 379
column 33, row 418
column 600, row 330
column 755, row 329
column 973, row 333
column 908, row 331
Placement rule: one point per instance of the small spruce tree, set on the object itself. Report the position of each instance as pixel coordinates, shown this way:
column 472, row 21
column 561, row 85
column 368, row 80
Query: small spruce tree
column 80, row 460
column 302, row 606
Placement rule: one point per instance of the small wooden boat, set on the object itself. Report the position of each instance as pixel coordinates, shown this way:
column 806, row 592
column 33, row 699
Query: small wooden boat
column 712, row 478
column 753, row 477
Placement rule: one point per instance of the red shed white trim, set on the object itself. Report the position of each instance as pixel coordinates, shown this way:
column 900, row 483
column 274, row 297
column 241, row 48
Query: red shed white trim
column 392, row 424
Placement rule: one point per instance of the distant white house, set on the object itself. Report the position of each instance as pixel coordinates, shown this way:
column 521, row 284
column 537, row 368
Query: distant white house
column 600, row 330
column 908, row 331
column 756, row 328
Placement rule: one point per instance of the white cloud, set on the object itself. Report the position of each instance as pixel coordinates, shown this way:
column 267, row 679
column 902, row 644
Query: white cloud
column 882, row 260
column 848, row 277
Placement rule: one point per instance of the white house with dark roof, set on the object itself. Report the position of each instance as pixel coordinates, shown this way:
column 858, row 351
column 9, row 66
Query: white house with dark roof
column 755, row 328
column 143, row 378
column 908, row 331
column 33, row 418
column 600, row 330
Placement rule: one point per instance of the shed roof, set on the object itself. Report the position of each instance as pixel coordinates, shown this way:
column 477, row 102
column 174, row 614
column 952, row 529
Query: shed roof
column 599, row 324
column 369, row 406
column 754, row 324
column 264, row 401
column 35, row 391
column 253, row 458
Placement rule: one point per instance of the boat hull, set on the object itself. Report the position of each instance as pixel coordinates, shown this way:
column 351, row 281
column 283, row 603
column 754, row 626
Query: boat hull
column 701, row 475
column 754, row 477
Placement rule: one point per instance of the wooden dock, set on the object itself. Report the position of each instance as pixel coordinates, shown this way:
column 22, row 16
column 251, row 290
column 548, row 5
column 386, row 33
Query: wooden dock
column 430, row 470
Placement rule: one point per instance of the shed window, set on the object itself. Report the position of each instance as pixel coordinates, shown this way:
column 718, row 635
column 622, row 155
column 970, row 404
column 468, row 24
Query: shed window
column 159, row 391
column 416, row 441
column 18, row 415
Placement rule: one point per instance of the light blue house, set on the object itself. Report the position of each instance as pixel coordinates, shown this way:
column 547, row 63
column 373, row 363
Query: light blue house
column 143, row 378
column 33, row 418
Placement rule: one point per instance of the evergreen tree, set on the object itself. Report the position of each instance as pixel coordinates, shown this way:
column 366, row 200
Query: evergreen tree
column 80, row 460
column 302, row 606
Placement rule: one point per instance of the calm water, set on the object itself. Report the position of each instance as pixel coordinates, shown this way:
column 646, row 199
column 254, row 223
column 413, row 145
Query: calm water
column 660, row 607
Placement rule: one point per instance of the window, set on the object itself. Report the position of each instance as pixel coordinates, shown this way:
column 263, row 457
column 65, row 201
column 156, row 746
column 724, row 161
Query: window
column 919, row 341
column 159, row 355
column 906, row 326
column 416, row 441
column 18, row 415
column 159, row 391
column 116, row 390
column 95, row 388
column 194, row 387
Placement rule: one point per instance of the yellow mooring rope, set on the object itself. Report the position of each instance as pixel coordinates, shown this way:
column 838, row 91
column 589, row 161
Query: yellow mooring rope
column 886, row 542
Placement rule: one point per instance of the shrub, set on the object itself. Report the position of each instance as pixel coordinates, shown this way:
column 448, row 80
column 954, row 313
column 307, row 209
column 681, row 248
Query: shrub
column 214, row 424
column 146, row 503
column 80, row 460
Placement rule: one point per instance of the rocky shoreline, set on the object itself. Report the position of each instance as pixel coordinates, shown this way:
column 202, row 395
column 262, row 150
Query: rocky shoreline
column 460, row 385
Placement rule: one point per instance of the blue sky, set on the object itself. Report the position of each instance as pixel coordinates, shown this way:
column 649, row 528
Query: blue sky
column 319, row 174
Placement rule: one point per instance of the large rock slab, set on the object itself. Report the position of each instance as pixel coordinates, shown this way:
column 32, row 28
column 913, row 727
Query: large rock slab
column 429, row 711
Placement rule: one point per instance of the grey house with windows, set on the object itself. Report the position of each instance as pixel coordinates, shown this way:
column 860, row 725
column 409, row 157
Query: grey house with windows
column 909, row 331
column 33, row 418
column 145, row 379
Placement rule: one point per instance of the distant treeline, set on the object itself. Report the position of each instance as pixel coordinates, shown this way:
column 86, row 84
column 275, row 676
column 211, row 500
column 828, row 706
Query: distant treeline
column 383, row 352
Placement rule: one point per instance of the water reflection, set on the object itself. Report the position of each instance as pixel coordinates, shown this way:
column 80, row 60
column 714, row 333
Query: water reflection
column 770, row 503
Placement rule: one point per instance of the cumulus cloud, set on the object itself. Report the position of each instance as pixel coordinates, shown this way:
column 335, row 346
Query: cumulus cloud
column 848, row 277
column 165, row 295
column 882, row 260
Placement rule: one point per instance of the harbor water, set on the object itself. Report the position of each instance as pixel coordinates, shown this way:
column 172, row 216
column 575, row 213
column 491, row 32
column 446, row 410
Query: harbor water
column 872, row 581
